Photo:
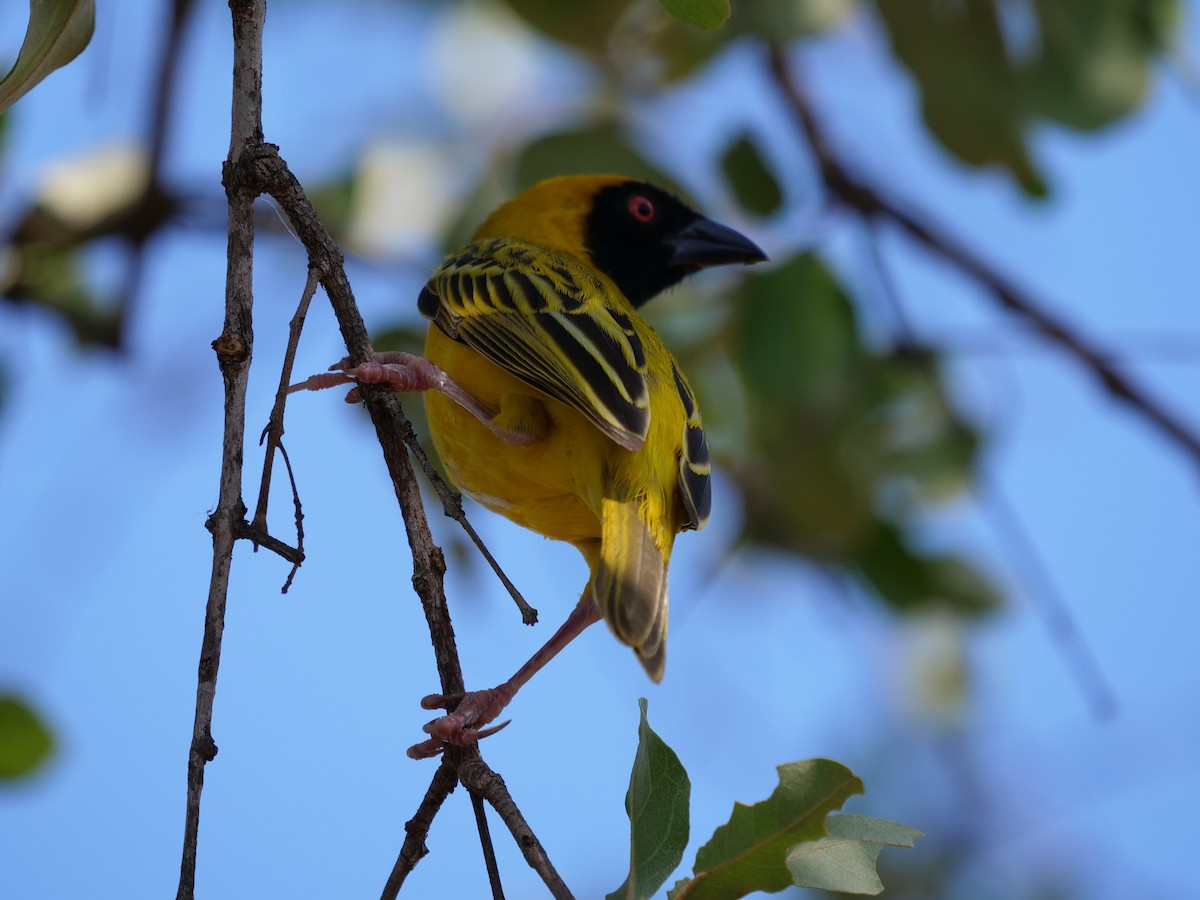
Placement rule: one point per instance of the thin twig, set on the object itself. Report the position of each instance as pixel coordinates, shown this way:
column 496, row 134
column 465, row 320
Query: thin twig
column 485, row 844
column 1047, row 599
column 416, row 829
column 868, row 201
column 479, row 778
column 234, row 350
column 273, row 433
column 453, row 508
column 887, row 286
column 156, row 199
column 298, row 513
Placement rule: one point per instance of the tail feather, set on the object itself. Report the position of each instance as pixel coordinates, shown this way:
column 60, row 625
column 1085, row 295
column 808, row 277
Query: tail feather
column 630, row 584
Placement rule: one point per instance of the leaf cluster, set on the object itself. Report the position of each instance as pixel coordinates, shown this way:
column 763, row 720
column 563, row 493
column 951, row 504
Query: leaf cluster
column 789, row 838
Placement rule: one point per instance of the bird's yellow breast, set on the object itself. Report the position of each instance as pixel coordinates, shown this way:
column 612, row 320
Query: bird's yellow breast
column 556, row 484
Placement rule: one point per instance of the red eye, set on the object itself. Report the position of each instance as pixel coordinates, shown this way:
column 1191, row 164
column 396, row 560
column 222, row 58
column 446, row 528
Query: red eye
column 641, row 208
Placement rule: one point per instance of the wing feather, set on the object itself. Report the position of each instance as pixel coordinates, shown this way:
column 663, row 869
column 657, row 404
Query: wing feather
column 694, row 465
column 550, row 322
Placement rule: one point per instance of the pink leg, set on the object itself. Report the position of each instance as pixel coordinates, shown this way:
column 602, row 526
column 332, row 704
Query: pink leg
column 409, row 374
column 478, row 708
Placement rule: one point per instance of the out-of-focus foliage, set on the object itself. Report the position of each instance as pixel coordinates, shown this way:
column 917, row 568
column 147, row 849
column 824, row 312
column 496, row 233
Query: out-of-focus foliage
column 710, row 14
column 844, row 443
column 752, row 181
column 97, row 197
column 57, row 33
column 988, row 72
column 600, row 148
column 25, row 741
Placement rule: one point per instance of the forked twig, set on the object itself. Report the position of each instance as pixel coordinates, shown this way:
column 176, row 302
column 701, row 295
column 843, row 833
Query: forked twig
column 273, row 433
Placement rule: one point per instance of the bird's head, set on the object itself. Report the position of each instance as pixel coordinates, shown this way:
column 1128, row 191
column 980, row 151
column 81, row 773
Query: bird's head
column 637, row 234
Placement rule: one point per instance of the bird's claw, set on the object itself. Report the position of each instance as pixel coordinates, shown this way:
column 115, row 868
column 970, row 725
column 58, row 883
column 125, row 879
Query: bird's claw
column 463, row 725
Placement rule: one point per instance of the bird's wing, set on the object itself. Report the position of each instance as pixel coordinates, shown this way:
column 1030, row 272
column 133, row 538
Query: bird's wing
column 553, row 324
column 694, row 465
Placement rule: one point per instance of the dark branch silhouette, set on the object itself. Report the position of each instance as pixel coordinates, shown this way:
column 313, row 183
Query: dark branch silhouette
column 857, row 194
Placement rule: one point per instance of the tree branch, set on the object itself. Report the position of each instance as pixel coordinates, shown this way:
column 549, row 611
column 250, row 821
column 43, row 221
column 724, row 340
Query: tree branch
column 858, row 195
column 478, row 777
column 392, row 429
column 445, row 780
column 234, row 351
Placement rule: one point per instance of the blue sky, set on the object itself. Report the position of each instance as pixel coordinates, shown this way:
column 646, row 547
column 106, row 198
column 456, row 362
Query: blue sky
column 108, row 469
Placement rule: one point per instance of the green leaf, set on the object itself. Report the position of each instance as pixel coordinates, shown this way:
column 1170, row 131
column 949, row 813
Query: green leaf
column 597, row 149
column 334, row 203
column 587, row 25
column 1096, row 57
column 707, row 14
column 48, row 276
column 909, row 581
column 797, row 335
column 844, row 446
column 24, row 741
column 969, row 97
column 751, row 179
column 749, row 852
column 844, row 860
column 988, row 72
column 657, row 804
column 786, row 20
column 57, row 33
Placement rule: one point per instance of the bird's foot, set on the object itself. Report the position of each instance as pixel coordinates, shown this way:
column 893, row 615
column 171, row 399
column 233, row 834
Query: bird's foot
column 465, row 724
column 409, row 374
column 403, row 372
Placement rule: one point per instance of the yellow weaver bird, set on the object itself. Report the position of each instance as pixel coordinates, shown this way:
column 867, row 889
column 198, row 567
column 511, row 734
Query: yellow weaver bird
column 552, row 402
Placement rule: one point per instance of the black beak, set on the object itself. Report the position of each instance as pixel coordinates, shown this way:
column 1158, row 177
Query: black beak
column 703, row 243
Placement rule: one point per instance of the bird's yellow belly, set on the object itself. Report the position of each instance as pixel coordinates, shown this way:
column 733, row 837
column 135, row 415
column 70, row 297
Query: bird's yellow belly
column 553, row 485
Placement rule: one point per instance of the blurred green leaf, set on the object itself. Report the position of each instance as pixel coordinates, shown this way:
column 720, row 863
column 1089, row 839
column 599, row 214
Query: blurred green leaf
column 806, row 483
column 749, row 852
column 989, row 72
column 58, row 31
column 911, row 582
column 657, row 804
column 969, row 89
column 25, row 742
column 796, row 338
column 48, row 276
column 1096, row 57
column 408, row 338
column 334, row 203
column 843, row 445
column 926, row 451
column 748, row 174
column 597, row 149
column 586, row 25
column 786, row 20
column 844, row 860
column 707, row 14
